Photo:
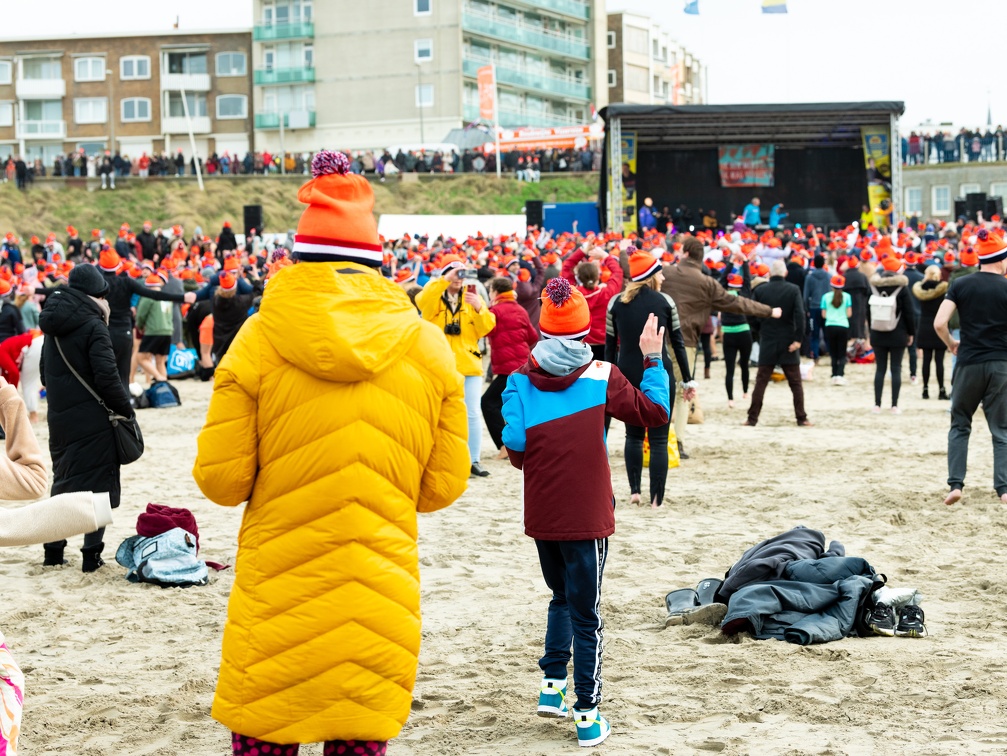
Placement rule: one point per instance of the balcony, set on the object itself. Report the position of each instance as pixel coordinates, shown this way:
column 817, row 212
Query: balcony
column 516, row 119
column 572, row 8
column 190, row 82
column 40, row 130
column 505, row 30
column 301, row 119
column 536, row 81
column 40, row 89
column 267, row 76
column 178, row 125
column 274, row 32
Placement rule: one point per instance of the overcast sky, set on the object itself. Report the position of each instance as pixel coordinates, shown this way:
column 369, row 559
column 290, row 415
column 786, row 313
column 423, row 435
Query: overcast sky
column 935, row 55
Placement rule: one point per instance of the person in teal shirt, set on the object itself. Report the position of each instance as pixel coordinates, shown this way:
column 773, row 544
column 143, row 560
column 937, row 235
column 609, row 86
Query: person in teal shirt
column 837, row 309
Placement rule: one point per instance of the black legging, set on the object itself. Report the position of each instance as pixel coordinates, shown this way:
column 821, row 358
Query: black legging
column 492, row 406
column 938, row 357
column 736, row 345
column 837, row 336
column 706, row 339
column 881, row 357
column 658, row 458
column 122, row 348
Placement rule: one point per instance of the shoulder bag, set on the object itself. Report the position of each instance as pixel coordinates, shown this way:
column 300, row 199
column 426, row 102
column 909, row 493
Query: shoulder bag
column 128, row 439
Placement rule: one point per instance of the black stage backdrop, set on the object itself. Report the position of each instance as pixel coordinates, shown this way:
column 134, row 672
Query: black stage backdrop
column 824, row 186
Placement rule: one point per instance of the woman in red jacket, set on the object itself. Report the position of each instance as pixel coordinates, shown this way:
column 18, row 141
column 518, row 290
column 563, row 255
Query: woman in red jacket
column 510, row 344
column 598, row 279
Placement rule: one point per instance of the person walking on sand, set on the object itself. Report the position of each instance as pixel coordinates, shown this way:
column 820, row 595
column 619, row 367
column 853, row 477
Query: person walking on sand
column 835, row 310
column 337, row 414
column 930, row 293
column 981, row 371
column 890, row 336
column 555, row 408
column 779, row 342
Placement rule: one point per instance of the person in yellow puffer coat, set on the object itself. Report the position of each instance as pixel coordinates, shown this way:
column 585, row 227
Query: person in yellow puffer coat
column 452, row 304
column 337, row 414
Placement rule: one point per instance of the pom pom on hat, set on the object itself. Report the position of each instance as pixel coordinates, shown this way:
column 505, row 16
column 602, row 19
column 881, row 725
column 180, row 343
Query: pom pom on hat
column 565, row 314
column 326, row 163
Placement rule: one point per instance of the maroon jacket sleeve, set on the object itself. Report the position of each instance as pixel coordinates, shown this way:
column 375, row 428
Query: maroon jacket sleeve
column 570, row 264
column 627, row 403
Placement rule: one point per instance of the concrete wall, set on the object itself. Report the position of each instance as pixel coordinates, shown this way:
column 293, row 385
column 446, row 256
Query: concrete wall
column 953, row 176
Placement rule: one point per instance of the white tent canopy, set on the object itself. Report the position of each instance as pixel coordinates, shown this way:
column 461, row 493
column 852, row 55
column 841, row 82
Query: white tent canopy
column 451, row 226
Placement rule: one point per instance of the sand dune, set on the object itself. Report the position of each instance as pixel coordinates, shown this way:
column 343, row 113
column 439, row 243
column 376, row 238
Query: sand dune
column 116, row 668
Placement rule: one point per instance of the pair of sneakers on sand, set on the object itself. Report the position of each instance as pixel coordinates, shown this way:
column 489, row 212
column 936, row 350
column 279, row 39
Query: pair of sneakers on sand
column 592, row 727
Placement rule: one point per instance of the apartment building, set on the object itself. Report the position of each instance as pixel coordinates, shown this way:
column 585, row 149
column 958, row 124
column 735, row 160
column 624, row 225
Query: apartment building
column 647, row 67
column 393, row 72
column 125, row 92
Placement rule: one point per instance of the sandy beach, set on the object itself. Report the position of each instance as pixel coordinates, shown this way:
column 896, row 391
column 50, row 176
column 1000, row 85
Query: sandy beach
column 114, row 668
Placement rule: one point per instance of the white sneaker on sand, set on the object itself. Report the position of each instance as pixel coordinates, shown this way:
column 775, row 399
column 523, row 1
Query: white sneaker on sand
column 896, row 411
column 876, row 410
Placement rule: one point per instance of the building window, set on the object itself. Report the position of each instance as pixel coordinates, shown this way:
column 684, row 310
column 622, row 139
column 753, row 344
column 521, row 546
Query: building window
column 89, row 69
column 612, row 80
column 135, row 109
column 636, row 40
column 231, row 64
column 637, row 79
column 424, row 95
column 6, row 72
column 90, row 110
column 6, row 113
column 998, row 190
column 914, row 200
column 611, row 40
column 45, row 69
column 134, row 67
column 423, row 50
column 232, row 106
column 967, row 189
column 187, row 63
column 940, row 200
column 195, row 101
column 309, row 56
column 422, row 7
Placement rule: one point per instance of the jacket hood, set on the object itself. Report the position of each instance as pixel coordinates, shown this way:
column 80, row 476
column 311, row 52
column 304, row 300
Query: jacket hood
column 561, row 356
column 66, row 310
column 544, row 380
column 888, row 280
column 927, row 290
column 343, row 327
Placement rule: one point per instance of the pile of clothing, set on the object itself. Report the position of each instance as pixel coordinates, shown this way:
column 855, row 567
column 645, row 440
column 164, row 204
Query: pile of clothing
column 164, row 549
column 790, row 587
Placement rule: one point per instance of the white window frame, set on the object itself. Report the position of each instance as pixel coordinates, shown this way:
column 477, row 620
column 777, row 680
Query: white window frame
column 419, row 101
column 611, row 40
column 917, row 208
column 134, row 59
column 7, row 107
column 974, row 187
column 10, row 71
column 420, row 44
column 427, row 12
column 226, row 74
column 89, row 59
column 994, row 192
column 244, row 114
column 934, row 210
column 613, row 78
column 78, row 101
column 122, row 110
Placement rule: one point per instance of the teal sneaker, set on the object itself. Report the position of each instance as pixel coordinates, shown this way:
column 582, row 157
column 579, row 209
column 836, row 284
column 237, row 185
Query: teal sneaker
column 592, row 727
column 552, row 699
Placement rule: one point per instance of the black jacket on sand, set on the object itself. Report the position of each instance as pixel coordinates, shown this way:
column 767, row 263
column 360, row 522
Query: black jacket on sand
column 81, row 441
column 776, row 335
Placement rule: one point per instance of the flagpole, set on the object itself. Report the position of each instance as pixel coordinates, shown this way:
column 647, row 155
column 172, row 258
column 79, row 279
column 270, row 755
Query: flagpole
column 496, row 120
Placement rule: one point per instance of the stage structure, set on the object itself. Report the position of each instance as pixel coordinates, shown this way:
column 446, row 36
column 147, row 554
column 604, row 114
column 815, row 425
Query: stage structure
column 823, row 161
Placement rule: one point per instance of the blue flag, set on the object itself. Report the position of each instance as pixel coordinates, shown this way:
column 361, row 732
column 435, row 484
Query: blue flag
column 692, row 7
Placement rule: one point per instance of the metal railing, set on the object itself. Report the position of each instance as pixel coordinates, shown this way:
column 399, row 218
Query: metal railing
column 273, row 32
column 272, row 120
column 50, row 129
column 293, row 75
column 514, row 32
column 573, row 8
column 537, row 81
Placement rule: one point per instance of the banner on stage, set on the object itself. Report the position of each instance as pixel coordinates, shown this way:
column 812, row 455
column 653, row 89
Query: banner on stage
column 878, row 162
column 628, row 153
column 747, row 165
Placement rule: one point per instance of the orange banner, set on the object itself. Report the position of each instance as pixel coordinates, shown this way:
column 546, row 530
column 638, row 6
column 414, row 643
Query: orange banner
column 487, row 93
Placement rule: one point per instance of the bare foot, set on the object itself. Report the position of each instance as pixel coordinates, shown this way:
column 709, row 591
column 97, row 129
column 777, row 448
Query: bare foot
column 956, row 495
column 32, row 417
column 730, row 404
column 502, row 454
column 1003, row 499
column 634, row 499
column 745, row 397
column 655, row 505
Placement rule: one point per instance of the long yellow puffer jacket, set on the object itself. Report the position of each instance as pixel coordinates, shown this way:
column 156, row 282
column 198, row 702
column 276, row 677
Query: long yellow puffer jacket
column 337, row 414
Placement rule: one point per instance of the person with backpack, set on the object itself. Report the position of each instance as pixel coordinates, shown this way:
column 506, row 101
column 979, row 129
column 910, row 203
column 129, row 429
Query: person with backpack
column 555, row 408
column 889, row 314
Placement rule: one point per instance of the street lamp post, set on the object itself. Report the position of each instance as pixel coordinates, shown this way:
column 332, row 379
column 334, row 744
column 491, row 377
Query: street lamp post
column 419, row 100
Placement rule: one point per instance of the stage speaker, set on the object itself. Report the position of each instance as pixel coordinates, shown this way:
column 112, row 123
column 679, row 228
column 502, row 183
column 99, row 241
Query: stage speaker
column 534, row 213
column 253, row 218
column 960, row 208
column 975, row 202
column 994, row 206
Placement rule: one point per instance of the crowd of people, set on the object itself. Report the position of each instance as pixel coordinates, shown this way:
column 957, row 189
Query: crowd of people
column 965, row 146
column 337, row 430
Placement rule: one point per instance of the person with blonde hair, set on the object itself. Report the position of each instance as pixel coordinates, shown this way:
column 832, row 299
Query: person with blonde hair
column 930, row 293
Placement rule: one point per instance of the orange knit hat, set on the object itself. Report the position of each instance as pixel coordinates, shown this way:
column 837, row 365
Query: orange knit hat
column 154, row 280
column 338, row 224
column 990, row 247
column 227, row 281
column 109, row 261
column 642, row 265
column 837, row 281
column 892, row 264
column 565, row 314
column 969, row 258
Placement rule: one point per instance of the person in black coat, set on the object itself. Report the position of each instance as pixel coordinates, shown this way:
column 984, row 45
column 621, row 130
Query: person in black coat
column 226, row 242
column 891, row 345
column 147, row 242
column 11, row 322
column 779, row 341
column 81, row 439
column 930, row 294
column 859, row 291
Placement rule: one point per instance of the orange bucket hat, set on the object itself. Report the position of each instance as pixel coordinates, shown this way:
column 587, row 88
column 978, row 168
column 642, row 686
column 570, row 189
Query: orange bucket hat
column 565, row 314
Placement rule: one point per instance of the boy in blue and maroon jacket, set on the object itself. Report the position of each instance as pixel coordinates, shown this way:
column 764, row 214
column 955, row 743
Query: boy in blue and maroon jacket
column 555, row 407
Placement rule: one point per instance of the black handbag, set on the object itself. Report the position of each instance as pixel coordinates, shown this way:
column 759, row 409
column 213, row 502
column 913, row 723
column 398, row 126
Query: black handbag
column 128, row 439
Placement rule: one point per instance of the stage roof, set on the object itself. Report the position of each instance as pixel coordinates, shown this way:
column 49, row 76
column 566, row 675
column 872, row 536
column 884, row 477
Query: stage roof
column 794, row 126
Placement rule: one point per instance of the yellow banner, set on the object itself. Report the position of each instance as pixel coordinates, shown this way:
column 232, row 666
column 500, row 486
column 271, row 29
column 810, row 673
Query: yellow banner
column 878, row 161
column 628, row 151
